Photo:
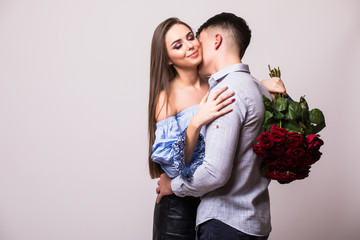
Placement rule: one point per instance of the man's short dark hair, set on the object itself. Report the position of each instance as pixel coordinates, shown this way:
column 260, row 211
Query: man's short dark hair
column 237, row 25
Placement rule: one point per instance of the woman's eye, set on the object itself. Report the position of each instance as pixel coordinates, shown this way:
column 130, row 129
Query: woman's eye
column 177, row 46
column 191, row 37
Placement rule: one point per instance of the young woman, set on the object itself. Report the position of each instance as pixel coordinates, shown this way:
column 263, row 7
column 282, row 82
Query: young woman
column 179, row 107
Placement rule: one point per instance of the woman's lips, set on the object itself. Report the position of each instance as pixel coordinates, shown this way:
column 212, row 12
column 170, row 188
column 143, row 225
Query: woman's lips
column 194, row 54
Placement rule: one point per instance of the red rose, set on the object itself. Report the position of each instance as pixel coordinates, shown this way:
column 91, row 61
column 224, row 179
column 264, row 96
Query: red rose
column 294, row 140
column 295, row 153
column 302, row 172
column 314, row 142
column 282, row 163
column 275, row 174
column 289, row 162
column 286, row 177
column 282, row 177
column 278, row 134
column 259, row 151
column 304, row 160
column 277, row 150
column 265, row 140
column 315, row 156
column 276, row 164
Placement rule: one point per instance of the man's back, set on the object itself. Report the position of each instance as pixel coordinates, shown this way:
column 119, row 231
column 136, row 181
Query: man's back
column 242, row 201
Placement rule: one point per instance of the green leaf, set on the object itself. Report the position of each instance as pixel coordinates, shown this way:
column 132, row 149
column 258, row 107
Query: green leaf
column 308, row 131
column 318, row 127
column 269, row 106
column 302, row 125
column 268, row 116
column 281, row 104
column 279, row 116
column 316, row 116
column 303, row 103
column 294, row 110
column 292, row 127
column 305, row 115
column 268, row 126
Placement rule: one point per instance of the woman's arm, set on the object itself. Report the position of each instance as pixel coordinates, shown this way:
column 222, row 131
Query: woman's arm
column 178, row 148
column 274, row 84
column 209, row 109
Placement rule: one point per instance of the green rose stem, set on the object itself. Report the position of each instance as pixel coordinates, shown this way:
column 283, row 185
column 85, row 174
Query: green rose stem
column 276, row 73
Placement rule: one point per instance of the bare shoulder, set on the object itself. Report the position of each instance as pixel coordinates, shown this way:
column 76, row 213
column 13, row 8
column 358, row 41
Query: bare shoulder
column 164, row 108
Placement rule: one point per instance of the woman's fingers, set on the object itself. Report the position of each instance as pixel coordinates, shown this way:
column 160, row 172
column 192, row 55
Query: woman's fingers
column 274, row 84
column 279, row 85
column 224, row 104
column 222, row 98
column 218, row 92
column 283, row 88
column 223, row 112
column 204, row 99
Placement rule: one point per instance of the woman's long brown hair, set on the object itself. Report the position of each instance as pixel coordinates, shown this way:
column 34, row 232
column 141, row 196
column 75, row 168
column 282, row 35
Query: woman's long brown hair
column 161, row 73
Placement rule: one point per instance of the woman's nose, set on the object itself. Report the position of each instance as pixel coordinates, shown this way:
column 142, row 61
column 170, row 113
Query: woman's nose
column 190, row 46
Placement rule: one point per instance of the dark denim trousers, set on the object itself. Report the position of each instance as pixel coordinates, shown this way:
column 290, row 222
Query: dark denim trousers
column 216, row 230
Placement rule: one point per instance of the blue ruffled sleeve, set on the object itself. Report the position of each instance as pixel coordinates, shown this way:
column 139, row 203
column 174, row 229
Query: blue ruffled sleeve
column 196, row 160
column 169, row 149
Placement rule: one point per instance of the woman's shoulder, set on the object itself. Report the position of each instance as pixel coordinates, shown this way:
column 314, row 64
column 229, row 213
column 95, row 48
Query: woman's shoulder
column 164, row 107
column 178, row 121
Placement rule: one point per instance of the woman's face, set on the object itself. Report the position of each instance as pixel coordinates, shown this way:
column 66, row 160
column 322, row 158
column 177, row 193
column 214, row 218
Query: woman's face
column 183, row 47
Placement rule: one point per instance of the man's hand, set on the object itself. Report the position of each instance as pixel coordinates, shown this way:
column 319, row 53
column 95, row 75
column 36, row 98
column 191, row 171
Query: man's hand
column 164, row 187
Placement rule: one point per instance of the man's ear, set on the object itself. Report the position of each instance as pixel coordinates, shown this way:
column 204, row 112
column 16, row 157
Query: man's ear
column 218, row 41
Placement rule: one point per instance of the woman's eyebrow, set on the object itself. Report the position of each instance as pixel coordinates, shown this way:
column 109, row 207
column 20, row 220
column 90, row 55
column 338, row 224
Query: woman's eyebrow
column 175, row 42
column 180, row 39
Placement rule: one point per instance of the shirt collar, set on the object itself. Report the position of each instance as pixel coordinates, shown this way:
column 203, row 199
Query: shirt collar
column 218, row 76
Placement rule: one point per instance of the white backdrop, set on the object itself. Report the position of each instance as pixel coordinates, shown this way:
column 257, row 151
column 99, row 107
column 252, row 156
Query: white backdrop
column 73, row 113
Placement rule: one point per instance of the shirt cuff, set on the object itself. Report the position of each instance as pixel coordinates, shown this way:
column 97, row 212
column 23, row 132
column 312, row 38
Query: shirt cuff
column 176, row 186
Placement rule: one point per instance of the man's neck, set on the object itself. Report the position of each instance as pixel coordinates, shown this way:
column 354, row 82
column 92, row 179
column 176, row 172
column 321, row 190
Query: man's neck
column 226, row 60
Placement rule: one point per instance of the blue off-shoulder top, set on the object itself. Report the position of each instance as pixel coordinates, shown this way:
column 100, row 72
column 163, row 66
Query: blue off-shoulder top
column 170, row 142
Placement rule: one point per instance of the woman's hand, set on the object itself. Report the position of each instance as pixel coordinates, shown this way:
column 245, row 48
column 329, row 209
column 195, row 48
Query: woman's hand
column 164, row 188
column 211, row 107
column 274, row 84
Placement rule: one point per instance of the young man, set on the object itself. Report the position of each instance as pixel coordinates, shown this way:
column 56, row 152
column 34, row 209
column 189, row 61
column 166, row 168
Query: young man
column 235, row 199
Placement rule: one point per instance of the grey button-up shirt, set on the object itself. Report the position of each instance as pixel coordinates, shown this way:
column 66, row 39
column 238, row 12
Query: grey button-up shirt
column 229, row 182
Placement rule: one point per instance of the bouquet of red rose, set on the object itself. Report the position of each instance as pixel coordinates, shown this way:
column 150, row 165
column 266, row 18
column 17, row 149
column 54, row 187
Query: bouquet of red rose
column 290, row 143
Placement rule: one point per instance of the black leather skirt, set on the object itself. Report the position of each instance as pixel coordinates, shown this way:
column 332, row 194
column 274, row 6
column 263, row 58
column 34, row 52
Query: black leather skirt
column 174, row 218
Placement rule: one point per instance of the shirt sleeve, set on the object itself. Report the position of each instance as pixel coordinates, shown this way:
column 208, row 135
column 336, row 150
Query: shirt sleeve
column 221, row 144
column 169, row 150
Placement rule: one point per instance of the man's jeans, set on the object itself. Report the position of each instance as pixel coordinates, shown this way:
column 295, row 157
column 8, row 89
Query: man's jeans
column 216, row 230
